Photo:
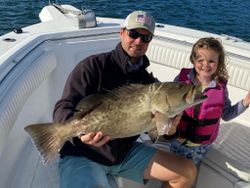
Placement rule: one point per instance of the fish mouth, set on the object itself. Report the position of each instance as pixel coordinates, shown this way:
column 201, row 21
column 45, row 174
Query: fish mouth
column 199, row 98
column 204, row 96
column 195, row 96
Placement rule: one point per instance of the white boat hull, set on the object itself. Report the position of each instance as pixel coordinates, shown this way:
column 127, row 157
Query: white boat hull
column 33, row 71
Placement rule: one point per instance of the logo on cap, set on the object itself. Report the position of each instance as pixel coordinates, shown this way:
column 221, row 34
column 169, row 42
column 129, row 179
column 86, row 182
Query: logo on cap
column 143, row 19
column 140, row 19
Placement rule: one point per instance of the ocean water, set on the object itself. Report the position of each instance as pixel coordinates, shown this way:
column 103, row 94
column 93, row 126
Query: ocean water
column 230, row 17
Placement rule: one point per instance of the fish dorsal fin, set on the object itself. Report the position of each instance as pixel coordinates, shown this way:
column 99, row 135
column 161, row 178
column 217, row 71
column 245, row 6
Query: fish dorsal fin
column 124, row 91
column 91, row 102
column 87, row 105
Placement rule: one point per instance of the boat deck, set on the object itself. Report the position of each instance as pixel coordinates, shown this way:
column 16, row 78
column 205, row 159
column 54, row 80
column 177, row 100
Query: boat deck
column 35, row 68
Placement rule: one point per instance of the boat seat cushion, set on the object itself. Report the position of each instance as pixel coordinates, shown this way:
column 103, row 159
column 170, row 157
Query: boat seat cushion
column 229, row 154
column 231, row 150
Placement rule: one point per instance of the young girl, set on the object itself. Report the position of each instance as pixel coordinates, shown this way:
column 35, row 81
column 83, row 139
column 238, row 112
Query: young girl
column 199, row 125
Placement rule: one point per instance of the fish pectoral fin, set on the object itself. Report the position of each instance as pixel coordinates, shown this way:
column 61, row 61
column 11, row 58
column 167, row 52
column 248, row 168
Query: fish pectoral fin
column 87, row 105
column 162, row 123
column 71, row 140
column 153, row 135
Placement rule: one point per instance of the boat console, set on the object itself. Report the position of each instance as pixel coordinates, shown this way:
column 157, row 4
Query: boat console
column 68, row 15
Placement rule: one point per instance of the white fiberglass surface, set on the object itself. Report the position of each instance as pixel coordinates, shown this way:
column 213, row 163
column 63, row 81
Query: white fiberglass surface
column 34, row 94
column 21, row 163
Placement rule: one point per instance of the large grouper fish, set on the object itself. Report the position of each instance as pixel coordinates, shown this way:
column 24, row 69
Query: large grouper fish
column 123, row 112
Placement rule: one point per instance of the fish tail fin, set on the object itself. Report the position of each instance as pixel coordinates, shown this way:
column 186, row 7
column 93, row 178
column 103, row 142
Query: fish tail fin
column 47, row 139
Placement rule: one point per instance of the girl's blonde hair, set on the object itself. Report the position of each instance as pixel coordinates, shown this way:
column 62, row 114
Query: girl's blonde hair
column 213, row 44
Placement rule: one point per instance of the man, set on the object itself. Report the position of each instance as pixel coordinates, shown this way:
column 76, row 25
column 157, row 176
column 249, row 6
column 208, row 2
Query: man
column 93, row 156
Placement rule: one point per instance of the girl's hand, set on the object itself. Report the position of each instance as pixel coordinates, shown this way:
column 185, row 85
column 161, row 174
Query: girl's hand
column 246, row 100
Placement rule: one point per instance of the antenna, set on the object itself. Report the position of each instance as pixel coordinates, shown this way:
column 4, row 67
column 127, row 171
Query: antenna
column 51, row 2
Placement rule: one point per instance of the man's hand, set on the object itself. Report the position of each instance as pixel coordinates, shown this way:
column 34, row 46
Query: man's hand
column 95, row 139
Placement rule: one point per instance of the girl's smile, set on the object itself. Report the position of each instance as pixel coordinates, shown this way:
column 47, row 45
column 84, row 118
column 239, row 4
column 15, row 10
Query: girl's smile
column 205, row 64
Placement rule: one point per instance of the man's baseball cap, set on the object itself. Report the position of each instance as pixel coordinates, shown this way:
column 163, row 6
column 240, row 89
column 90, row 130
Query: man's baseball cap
column 140, row 20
